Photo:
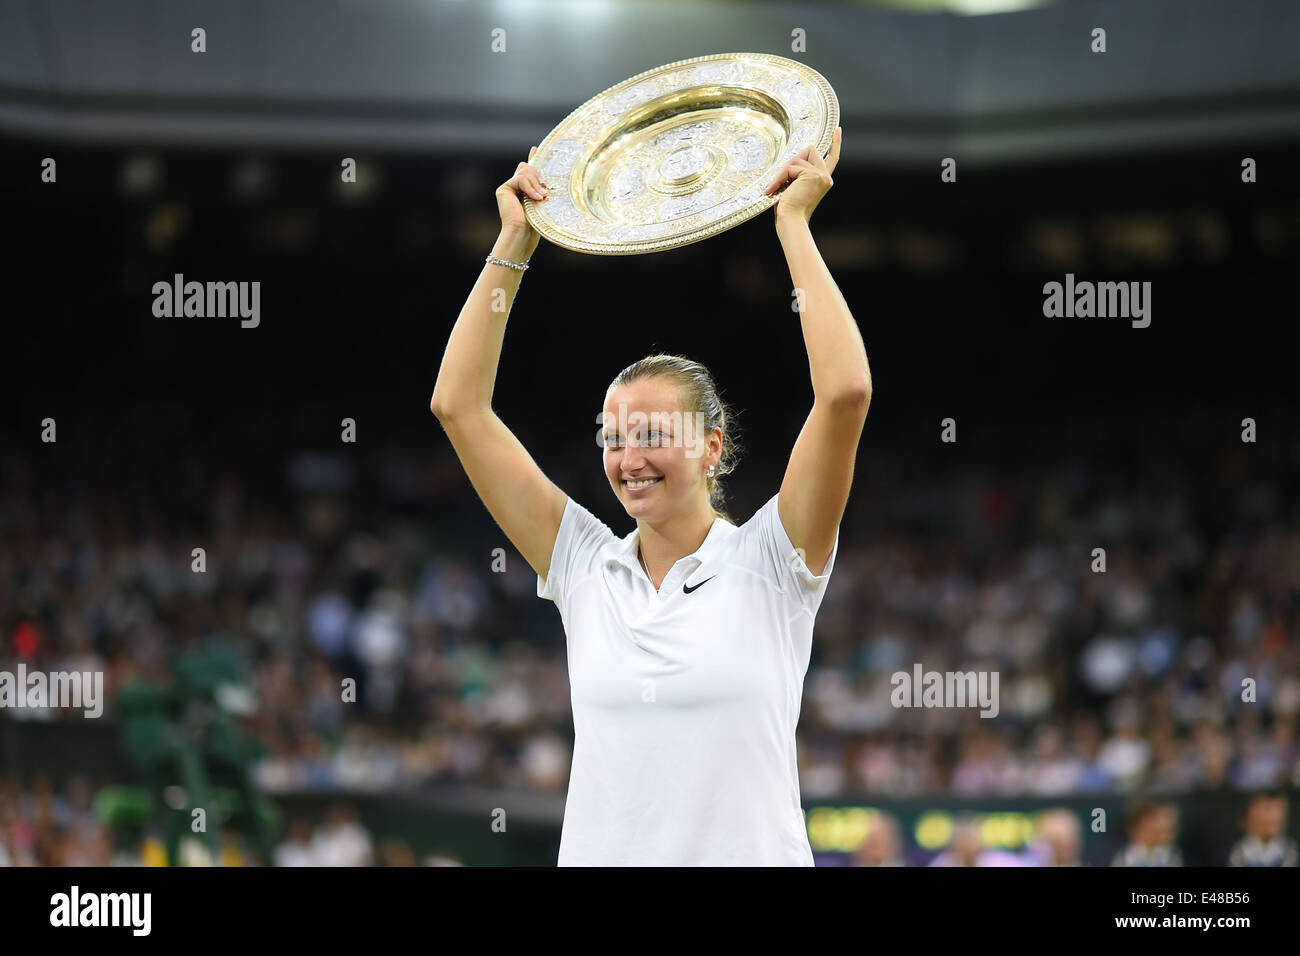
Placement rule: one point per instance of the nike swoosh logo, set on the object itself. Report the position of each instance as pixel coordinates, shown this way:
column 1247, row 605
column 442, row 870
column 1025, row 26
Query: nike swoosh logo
column 688, row 590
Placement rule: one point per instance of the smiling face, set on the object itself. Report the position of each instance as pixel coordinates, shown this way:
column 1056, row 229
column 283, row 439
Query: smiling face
column 655, row 454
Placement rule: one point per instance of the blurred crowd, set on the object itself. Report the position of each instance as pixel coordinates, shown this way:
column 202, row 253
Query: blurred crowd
column 1175, row 668
column 1151, row 835
column 44, row 826
column 41, row 826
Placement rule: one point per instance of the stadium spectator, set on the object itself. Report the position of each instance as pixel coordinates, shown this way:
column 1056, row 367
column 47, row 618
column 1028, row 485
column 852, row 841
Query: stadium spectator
column 1152, row 831
column 297, row 848
column 341, row 840
column 1266, row 842
column 967, row 848
column 882, row 845
column 1060, row 839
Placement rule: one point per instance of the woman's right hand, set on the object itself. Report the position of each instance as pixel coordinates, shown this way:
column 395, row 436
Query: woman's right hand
column 518, row 237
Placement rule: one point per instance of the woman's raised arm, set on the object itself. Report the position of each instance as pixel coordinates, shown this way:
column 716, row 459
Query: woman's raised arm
column 817, row 480
column 526, row 504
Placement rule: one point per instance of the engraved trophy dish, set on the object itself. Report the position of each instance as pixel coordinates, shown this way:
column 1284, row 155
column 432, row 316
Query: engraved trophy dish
column 678, row 153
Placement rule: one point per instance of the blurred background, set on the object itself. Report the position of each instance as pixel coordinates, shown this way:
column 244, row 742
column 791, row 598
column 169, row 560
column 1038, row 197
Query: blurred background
column 372, row 560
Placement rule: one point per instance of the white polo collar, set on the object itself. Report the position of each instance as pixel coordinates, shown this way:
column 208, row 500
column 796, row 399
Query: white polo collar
column 623, row 551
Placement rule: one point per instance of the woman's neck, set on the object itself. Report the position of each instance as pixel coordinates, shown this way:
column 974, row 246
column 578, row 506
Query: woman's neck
column 662, row 547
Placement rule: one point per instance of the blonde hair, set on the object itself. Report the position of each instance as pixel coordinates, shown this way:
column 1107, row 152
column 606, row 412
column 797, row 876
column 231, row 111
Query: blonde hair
column 697, row 392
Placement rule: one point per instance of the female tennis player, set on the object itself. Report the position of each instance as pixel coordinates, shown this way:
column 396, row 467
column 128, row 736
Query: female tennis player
column 688, row 639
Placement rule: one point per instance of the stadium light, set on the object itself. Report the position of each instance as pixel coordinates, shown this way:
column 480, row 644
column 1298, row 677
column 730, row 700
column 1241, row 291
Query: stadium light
column 964, row 7
column 140, row 174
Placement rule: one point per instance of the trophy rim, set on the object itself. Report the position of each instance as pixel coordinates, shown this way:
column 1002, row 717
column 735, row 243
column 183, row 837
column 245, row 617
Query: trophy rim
column 566, row 241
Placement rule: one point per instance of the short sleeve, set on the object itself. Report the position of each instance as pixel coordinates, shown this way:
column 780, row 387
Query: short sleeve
column 784, row 561
column 577, row 545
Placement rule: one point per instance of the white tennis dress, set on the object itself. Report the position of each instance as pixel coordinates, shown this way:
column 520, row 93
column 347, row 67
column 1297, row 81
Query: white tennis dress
column 685, row 701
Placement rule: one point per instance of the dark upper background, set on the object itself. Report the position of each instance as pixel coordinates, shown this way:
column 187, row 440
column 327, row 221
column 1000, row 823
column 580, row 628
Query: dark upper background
column 224, row 166
column 358, row 298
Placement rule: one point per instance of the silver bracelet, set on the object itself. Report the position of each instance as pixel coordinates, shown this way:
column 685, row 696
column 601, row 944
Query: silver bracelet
column 520, row 266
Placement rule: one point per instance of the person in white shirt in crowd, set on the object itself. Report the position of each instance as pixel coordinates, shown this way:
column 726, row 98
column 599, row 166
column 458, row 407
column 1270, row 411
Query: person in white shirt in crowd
column 296, row 849
column 1152, row 830
column 342, row 840
column 1266, row 842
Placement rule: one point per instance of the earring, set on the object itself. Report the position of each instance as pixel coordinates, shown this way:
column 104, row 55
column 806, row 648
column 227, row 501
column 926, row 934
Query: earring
column 709, row 473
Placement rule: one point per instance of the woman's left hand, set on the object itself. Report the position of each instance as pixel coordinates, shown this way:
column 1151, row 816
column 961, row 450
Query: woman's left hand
column 806, row 179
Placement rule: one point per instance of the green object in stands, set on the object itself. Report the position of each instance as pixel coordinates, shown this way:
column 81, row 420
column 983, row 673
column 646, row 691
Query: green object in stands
column 140, row 698
column 199, row 673
column 190, row 736
column 126, row 808
column 150, row 740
